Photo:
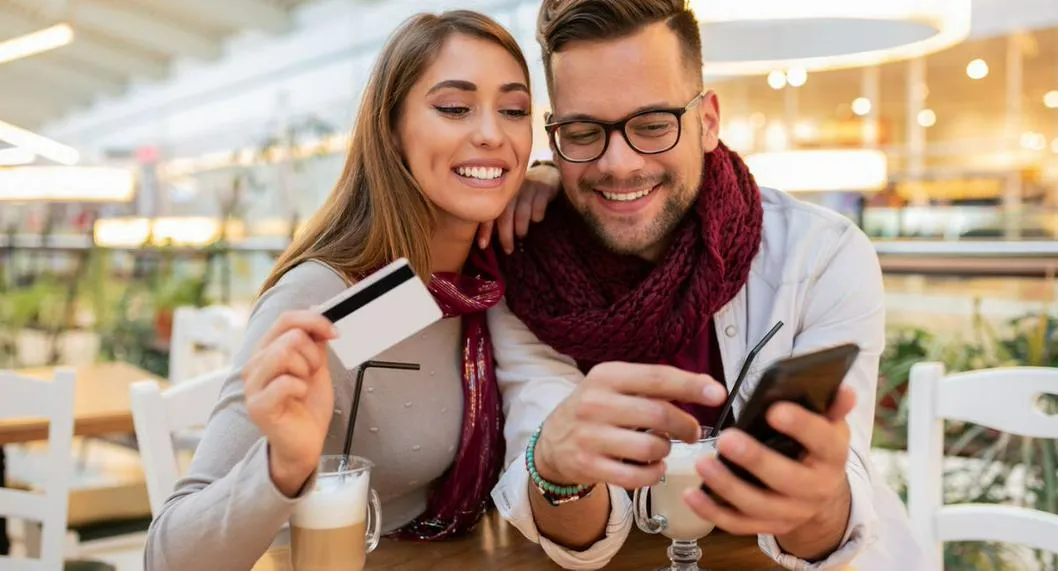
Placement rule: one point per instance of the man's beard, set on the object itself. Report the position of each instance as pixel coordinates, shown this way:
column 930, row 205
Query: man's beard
column 678, row 201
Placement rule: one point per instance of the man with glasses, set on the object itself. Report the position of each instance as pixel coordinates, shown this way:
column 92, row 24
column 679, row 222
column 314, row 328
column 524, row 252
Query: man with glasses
column 632, row 306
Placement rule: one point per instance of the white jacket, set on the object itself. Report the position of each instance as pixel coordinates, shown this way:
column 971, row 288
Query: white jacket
column 818, row 274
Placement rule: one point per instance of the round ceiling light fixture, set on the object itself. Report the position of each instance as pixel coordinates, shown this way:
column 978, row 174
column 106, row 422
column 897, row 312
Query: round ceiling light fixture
column 751, row 37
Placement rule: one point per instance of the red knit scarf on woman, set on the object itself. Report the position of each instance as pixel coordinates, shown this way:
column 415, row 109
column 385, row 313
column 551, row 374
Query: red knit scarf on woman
column 594, row 305
column 461, row 496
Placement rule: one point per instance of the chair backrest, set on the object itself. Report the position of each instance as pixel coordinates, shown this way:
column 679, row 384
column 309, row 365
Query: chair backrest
column 157, row 414
column 1005, row 399
column 24, row 397
column 203, row 339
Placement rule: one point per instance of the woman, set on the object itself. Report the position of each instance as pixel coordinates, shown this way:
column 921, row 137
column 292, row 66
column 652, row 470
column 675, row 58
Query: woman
column 440, row 146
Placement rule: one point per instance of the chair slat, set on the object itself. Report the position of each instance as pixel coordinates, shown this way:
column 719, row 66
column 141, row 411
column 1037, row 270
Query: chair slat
column 1007, row 524
column 21, row 504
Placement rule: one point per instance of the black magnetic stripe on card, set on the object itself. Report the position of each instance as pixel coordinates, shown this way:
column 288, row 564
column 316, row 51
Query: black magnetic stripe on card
column 370, row 293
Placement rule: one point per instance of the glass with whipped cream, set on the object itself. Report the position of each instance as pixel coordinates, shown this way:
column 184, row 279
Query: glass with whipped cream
column 661, row 509
column 337, row 523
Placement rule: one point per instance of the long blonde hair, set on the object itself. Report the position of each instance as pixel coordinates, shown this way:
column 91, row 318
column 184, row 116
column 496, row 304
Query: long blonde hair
column 377, row 212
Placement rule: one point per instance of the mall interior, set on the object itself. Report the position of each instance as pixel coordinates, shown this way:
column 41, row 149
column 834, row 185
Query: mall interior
column 157, row 157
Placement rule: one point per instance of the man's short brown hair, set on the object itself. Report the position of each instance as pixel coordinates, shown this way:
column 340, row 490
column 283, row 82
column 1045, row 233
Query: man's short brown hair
column 563, row 21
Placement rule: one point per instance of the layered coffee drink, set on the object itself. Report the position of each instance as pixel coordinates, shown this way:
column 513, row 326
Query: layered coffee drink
column 328, row 531
column 666, row 497
column 661, row 509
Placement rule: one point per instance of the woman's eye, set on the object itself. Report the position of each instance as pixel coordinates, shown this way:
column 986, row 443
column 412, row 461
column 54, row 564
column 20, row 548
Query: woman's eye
column 516, row 113
column 453, row 110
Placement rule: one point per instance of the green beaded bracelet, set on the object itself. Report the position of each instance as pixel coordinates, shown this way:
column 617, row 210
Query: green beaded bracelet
column 553, row 493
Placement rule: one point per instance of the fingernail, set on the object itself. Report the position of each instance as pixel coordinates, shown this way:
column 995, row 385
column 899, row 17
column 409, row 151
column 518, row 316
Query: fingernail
column 713, row 392
column 335, row 332
column 509, row 251
column 482, row 243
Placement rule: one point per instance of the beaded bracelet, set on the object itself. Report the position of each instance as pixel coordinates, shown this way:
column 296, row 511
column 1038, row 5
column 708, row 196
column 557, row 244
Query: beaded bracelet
column 554, row 494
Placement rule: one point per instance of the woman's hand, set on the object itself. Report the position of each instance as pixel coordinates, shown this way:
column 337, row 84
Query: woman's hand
column 289, row 395
column 541, row 186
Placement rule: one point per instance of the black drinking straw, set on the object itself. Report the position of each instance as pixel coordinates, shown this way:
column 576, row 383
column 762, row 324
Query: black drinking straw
column 726, row 410
column 360, row 385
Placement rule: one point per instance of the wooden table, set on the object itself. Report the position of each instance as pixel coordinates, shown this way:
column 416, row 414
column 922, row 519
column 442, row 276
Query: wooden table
column 101, row 406
column 101, row 403
column 497, row 545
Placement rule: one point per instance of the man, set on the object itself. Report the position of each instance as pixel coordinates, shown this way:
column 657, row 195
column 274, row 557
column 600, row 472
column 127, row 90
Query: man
column 654, row 274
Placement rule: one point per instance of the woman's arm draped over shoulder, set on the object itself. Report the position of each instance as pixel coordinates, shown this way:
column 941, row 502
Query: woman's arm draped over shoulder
column 226, row 511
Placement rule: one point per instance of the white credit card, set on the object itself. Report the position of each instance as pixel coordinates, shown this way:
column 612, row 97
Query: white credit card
column 378, row 312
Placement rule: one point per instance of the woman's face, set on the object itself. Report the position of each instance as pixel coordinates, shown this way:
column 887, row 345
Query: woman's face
column 465, row 130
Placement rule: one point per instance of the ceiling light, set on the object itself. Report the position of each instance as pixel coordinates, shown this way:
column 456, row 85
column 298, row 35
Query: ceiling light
column 797, row 76
column 1051, row 99
column 36, row 42
column 756, row 36
column 38, row 144
column 820, row 170
column 861, row 106
column 927, row 118
column 15, row 156
column 777, row 80
column 977, row 69
column 1033, row 141
column 67, row 184
column 805, row 130
column 183, row 231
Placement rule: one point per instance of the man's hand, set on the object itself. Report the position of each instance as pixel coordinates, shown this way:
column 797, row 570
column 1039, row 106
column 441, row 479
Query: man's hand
column 541, row 186
column 807, row 503
column 591, row 434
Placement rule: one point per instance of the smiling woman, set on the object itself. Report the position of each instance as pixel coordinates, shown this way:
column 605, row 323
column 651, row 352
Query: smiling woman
column 440, row 146
column 465, row 128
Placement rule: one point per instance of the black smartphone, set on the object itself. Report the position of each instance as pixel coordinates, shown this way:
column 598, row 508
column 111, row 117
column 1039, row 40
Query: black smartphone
column 810, row 380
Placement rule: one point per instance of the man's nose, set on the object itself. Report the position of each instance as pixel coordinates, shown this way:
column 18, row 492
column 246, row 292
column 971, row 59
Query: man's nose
column 620, row 160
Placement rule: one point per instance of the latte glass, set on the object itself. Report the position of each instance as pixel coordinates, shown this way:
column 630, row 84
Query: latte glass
column 661, row 509
column 336, row 524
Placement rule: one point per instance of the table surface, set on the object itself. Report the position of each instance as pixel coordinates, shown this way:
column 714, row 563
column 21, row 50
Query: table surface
column 101, row 402
column 495, row 544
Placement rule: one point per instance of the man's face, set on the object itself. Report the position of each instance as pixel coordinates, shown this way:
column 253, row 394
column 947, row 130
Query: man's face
column 633, row 201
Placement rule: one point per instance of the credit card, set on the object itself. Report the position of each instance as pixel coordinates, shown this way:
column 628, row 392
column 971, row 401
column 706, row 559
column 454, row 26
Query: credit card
column 378, row 312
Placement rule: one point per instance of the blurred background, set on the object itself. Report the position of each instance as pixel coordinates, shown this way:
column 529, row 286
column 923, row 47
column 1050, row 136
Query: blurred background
column 157, row 154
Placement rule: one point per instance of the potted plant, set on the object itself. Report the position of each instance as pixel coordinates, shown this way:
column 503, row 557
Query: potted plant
column 174, row 293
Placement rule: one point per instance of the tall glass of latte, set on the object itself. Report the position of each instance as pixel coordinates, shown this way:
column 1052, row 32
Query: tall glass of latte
column 338, row 522
column 661, row 509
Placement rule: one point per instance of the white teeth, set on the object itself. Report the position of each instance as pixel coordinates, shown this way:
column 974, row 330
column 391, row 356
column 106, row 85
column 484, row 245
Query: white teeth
column 482, row 173
column 626, row 197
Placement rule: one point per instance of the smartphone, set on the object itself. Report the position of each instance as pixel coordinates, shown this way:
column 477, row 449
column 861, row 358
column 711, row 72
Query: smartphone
column 810, row 380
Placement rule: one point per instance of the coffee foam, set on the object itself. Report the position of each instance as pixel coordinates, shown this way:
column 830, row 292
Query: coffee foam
column 683, row 457
column 333, row 503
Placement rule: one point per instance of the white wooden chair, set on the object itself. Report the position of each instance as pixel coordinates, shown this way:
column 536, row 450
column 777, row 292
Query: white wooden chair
column 1003, row 399
column 25, row 397
column 158, row 415
column 203, row 339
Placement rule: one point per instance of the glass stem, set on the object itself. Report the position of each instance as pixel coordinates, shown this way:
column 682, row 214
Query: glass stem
column 684, row 555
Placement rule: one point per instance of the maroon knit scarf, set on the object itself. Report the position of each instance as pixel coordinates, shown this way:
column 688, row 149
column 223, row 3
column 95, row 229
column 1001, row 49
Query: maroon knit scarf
column 459, row 500
column 594, row 305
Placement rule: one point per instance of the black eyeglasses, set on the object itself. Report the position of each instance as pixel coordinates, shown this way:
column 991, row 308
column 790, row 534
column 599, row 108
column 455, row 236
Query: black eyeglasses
column 649, row 132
